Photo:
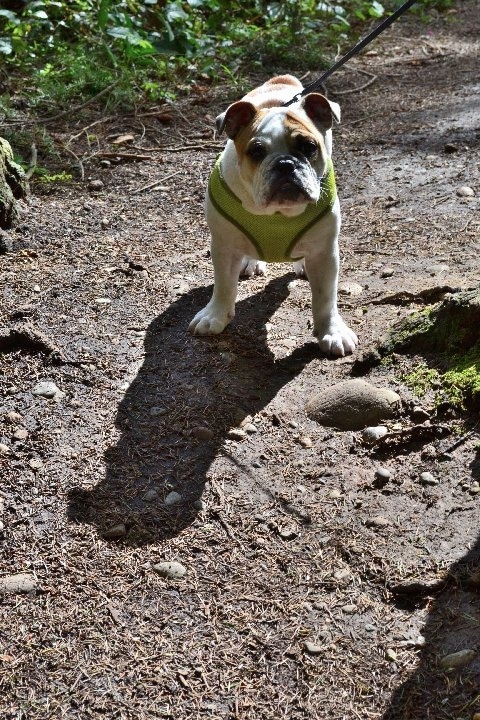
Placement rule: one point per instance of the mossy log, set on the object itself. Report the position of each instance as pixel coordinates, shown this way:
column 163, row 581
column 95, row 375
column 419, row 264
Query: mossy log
column 13, row 186
column 447, row 334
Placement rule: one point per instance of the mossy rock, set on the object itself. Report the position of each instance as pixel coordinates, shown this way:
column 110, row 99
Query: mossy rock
column 13, row 186
column 448, row 334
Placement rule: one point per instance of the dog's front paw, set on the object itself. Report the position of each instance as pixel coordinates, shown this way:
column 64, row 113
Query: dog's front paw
column 251, row 267
column 211, row 320
column 336, row 338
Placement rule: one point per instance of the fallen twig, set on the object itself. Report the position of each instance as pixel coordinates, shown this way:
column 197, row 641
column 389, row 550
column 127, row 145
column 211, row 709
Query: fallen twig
column 154, row 184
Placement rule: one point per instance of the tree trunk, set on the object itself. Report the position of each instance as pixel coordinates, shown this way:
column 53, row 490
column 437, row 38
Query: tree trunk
column 13, row 186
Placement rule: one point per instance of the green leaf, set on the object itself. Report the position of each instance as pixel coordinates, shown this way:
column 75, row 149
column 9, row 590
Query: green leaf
column 102, row 17
column 376, row 9
column 10, row 16
column 5, row 46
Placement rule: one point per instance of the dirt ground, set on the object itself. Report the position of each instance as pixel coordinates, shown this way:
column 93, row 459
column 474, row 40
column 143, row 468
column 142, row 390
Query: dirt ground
column 296, row 603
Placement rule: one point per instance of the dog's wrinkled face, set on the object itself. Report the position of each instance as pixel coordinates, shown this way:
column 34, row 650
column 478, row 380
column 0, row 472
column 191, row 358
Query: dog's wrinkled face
column 282, row 152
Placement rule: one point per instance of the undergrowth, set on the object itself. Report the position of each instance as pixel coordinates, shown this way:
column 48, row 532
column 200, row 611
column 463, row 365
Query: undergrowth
column 61, row 52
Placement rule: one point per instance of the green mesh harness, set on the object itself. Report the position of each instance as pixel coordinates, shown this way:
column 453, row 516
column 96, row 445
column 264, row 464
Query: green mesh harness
column 274, row 236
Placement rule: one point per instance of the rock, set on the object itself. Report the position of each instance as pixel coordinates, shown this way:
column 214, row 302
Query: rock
column 457, row 659
column 352, row 405
column 438, row 269
column 151, row 495
column 382, row 476
column 199, row 505
column 288, row 533
column 20, row 583
column 391, row 655
column 172, row 570
column 419, row 414
column 350, row 288
column 35, row 464
column 474, row 488
column 172, row 498
column 115, row 532
column 312, row 649
column 236, row 434
column 48, row 390
column 203, row 433
column 306, row 442
column 450, row 148
column 343, row 574
column 20, row 434
column 378, row 522
column 95, row 185
column 374, row 434
column 4, row 449
column 465, row 191
column 249, row 428
column 335, row 494
column 349, row 609
column 13, row 418
column 387, row 272
column 427, row 478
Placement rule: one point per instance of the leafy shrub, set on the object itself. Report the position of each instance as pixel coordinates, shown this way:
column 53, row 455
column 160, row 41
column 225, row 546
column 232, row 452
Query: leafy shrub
column 72, row 49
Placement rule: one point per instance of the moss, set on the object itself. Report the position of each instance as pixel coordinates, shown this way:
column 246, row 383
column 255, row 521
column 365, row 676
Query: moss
column 447, row 335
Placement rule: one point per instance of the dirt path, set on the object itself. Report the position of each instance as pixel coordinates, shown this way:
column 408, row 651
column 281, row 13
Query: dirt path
column 273, row 527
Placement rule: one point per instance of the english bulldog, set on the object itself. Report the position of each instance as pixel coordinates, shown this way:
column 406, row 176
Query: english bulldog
column 272, row 198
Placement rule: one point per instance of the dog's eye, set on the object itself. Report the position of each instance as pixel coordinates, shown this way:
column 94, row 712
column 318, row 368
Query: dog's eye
column 307, row 147
column 256, row 151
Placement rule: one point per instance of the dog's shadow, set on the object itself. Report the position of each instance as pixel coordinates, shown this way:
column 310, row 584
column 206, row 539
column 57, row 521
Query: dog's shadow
column 177, row 412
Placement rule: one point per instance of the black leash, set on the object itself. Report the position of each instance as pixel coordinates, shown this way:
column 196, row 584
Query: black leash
column 359, row 46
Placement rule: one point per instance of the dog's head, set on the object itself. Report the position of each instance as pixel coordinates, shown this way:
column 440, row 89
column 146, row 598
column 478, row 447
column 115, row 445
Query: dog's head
column 282, row 151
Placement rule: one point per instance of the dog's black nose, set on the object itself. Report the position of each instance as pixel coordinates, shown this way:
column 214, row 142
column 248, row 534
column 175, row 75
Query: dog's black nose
column 285, row 165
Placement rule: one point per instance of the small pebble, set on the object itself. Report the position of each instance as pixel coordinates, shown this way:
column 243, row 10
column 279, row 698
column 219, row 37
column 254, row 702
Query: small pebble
column 37, row 288
column 306, row 442
column 287, row 533
column 342, row 574
column 450, row 148
column 104, row 222
column 427, row 478
column 335, row 494
column 378, row 521
column 458, row 659
column 172, row 498
column 172, row 570
column 474, row 488
column 419, row 414
column 20, row 434
column 151, row 495
column 95, row 185
column 349, row 609
column 391, row 655
column 103, row 301
column 256, row 464
column 370, row 628
column 203, row 433
column 13, row 418
column 382, row 475
column 236, row 434
column 312, row 649
column 19, row 583
column 48, row 390
column 199, row 505
column 372, row 435
column 387, row 272
column 35, row 463
column 249, row 428
column 4, row 449
column 116, row 531
column 350, row 288
column 465, row 191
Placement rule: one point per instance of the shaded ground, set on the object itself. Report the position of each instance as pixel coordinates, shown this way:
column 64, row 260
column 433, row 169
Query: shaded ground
column 280, row 550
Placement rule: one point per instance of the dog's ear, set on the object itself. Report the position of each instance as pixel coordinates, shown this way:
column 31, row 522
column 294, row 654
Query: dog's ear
column 236, row 117
column 321, row 110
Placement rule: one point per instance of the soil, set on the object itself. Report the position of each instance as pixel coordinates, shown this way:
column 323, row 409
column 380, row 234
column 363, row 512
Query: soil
column 288, row 537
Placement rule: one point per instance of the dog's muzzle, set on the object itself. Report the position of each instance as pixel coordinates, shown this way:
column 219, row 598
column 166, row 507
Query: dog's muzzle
column 285, row 183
